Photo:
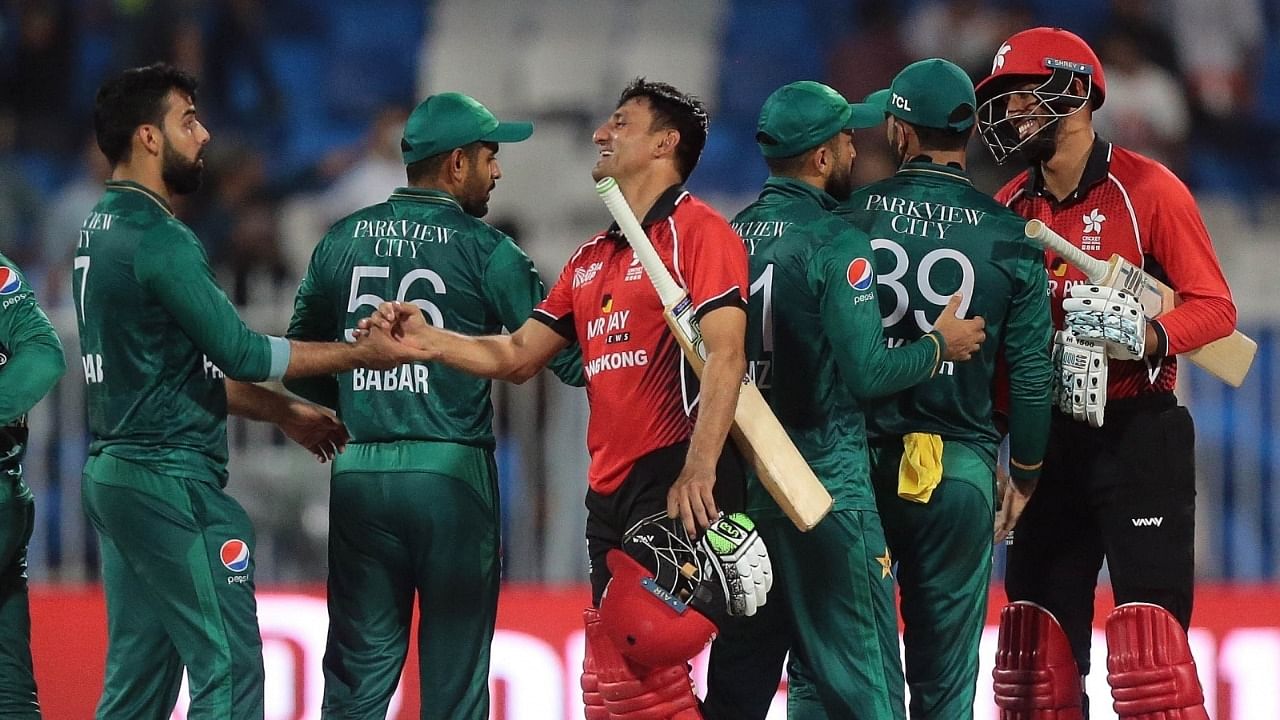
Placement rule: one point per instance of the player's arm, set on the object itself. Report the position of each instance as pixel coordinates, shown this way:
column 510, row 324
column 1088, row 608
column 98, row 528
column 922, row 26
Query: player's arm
column 313, row 321
column 35, row 359
column 514, row 358
column 513, row 287
column 724, row 332
column 1027, row 339
column 176, row 271
column 1027, row 375
column 851, row 320
column 1179, row 242
column 311, row 426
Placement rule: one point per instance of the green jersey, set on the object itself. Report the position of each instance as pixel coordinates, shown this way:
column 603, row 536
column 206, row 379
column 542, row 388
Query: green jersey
column 418, row 247
column 31, row 362
column 157, row 335
column 814, row 341
column 935, row 235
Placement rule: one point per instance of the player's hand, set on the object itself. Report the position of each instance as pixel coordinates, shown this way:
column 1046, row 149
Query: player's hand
column 404, row 323
column 1013, row 500
column 962, row 337
column 691, row 498
column 1109, row 316
column 1080, row 378
column 315, row 428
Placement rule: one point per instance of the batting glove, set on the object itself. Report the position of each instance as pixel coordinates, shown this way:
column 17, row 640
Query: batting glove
column 1081, row 379
column 1109, row 316
column 739, row 559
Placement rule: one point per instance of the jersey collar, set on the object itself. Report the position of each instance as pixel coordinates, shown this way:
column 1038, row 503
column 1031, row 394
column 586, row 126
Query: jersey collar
column 133, row 187
column 661, row 210
column 794, row 189
column 425, row 195
column 1095, row 171
column 924, row 166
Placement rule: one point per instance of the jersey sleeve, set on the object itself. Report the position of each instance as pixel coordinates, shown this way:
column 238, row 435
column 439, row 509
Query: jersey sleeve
column 1028, row 367
column 556, row 310
column 712, row 261
column 173, row 267
column 842, row 276
column 1179, row 242
column 513, row 288
column 34, row 354
column 313, row 320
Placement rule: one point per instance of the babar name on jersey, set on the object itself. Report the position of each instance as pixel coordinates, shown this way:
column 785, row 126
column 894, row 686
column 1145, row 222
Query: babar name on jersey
column 922, row 218
column 753, row 231
column 411, row 377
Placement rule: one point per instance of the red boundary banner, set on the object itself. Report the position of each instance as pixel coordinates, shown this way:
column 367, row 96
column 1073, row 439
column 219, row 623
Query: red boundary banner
column 537, row 650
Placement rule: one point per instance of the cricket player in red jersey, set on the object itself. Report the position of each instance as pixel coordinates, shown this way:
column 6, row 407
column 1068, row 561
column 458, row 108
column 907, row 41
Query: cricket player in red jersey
column 656, row 437
column 1119, row 485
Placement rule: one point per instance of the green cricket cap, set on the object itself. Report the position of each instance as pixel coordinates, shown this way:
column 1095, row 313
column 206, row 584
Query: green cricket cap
column 450, row 120
column 931, row 93
column 803, row 115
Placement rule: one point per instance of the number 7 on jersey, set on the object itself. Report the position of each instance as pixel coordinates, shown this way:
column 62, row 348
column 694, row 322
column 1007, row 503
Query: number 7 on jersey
column 777, row 462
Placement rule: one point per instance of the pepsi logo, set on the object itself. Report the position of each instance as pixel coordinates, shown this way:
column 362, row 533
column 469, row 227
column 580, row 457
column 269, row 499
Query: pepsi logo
column 860, row 275
column 8, row 280
column 235, row 555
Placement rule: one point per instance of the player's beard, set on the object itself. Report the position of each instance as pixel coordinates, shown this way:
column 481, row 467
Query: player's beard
column 839, row 184
column 474, row 197
column 1041, row 147
column 180, row 175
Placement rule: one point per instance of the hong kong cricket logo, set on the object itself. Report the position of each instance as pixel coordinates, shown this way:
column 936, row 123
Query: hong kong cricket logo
column 999, row 61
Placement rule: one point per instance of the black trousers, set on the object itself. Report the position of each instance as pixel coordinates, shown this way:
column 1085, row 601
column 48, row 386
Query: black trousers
column 1126, row 492
column 644, row 493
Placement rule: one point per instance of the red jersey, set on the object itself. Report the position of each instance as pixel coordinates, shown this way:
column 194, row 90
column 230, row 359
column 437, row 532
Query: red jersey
column 1132, row 206
column 642, row 397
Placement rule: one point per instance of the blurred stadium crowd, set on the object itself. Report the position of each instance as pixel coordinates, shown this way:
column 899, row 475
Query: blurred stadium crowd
column 306, row 100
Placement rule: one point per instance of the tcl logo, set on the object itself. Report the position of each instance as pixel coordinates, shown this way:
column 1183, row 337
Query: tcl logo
column 900, row 102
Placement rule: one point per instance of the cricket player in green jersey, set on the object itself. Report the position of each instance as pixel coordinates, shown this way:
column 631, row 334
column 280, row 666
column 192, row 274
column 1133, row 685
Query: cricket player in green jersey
column 415, row 495
column 934, row 446
column 31, row 362
column 166, row 358
column 814, row 347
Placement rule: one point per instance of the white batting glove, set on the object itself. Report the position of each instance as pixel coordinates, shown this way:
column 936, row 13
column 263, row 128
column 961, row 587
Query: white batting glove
column 742, row 561
column 1081, row 380
column 1109, row 316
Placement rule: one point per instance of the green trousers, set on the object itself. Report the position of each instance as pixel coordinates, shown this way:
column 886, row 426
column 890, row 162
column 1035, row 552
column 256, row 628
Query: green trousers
column 396, row 534
column 831, row 606
column 17, row 681
column 943, row 552
column 177, row 569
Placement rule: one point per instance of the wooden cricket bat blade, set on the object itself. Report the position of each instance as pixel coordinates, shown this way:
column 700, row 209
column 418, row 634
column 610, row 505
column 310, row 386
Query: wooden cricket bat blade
column 777, row 462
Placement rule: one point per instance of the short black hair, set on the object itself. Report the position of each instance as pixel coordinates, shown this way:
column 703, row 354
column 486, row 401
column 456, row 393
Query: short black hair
column 132, row 98
column 428, row 167
column 677, row 111
column 794, row 165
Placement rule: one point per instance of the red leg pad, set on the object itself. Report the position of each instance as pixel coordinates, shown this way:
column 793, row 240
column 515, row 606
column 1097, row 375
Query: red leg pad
column 1149, row 666
column 629, row 693
column 592, row 700
column 1035, row 675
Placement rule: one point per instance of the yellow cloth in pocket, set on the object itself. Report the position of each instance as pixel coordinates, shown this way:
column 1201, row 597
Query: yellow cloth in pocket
column 921, row 468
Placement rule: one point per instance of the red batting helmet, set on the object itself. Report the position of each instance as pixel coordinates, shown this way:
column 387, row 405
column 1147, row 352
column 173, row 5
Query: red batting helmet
column 1053, row 55
column 648, row 624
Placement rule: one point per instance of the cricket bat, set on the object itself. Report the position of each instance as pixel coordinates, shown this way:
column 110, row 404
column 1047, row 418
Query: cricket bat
column 759, row 435
column 1228, row 358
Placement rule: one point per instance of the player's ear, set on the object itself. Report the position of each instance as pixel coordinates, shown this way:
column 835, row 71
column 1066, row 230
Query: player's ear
column 149, row 137
column 667, row 145
column 458, row 163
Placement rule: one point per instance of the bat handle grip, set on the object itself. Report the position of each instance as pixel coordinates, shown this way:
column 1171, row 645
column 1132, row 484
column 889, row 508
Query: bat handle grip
column 1093, row 268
